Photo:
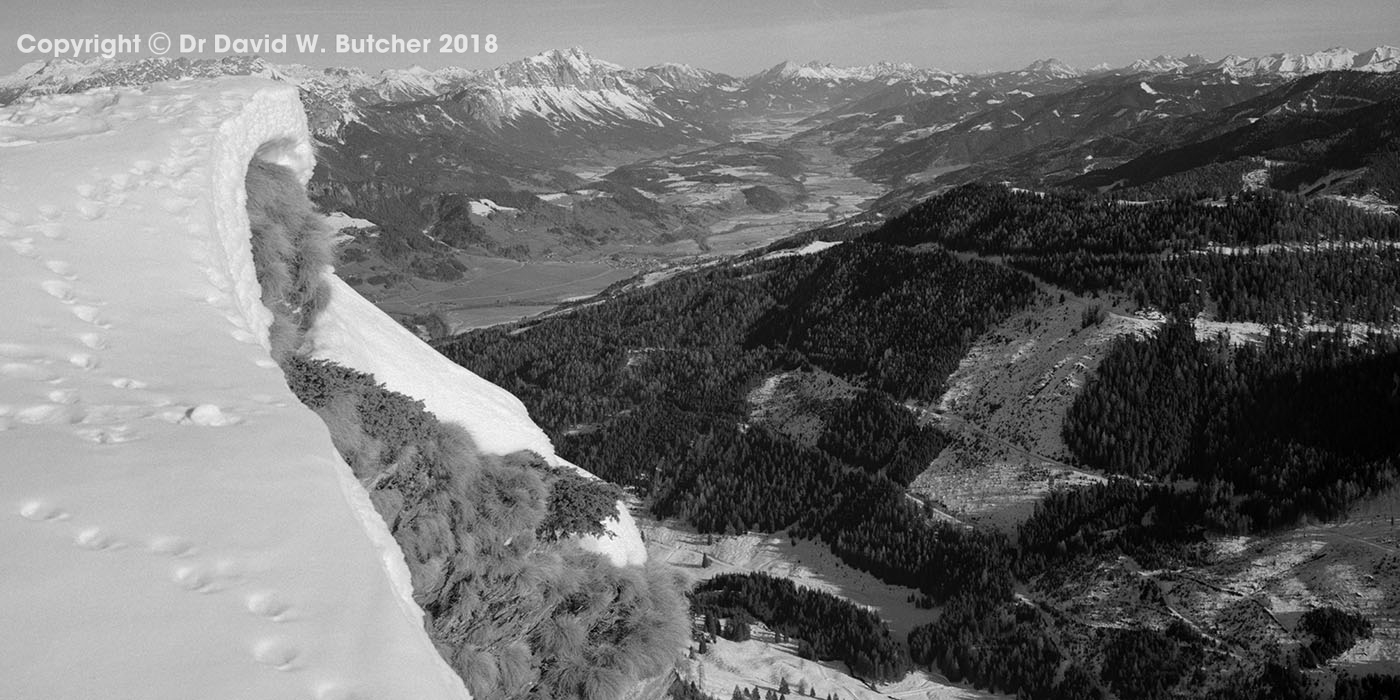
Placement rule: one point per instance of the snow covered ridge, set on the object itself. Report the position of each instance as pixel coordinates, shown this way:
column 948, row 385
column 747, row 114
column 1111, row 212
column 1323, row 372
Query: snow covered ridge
column 1382, row 59
column 176, row 524
column 353, row 332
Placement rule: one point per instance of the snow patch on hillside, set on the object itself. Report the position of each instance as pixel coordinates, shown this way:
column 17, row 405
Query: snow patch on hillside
column 808, row 249
column 761, row 662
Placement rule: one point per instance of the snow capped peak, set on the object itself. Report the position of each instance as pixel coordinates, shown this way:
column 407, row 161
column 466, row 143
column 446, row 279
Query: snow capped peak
column 1378, row 60
column 812, row 70
column 818, row 72
column 1161, row 64
column 1382, row 59
column 1051, row 68
column 678, row 76
column 572, row 67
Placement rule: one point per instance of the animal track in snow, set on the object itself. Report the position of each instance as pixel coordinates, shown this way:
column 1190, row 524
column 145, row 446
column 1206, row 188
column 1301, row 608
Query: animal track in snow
column 97, row 539
column 194, row 577
column 63, row 396
column 206, row 577
column 95, row 341
column 89, row 314
column 267, row 604
column 128, row 383
column 276, row 652
column 171, row 546
column 91, row 210
column 51, row 231
column 61, row 268
column 39, row 511
column 50, row 212
column 83, row 361
column 207, row 415
column 58, row 289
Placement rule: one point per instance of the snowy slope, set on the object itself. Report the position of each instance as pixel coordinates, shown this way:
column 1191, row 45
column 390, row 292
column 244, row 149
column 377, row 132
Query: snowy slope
column 355, row 333
column 175, row 524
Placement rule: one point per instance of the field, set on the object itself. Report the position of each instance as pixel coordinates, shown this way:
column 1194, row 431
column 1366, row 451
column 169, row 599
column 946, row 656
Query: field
column 761, row 661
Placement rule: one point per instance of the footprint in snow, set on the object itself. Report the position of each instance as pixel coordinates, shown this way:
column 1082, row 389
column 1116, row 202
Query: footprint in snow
column 50, row 230
column 58, row 289
column 171, row 546
column 60, row 268
column 202, row 577
column 92, row 210
column 95, row 341
column 205, row 415
column 97, row 540
column 41, row 511
column 83, row 361
column 267, row 604
column 276, row 652
column 89, row 314
column 63, row 396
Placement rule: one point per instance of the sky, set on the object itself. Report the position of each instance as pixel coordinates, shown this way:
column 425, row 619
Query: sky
column 739, row 37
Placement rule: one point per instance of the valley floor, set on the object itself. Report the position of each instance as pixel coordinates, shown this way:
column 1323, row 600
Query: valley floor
column 500, row 290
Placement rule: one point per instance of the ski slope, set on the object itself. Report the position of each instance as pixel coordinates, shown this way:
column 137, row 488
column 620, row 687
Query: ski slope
column 174, row 523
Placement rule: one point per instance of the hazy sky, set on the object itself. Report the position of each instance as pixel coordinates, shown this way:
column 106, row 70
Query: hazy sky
column 742, row 36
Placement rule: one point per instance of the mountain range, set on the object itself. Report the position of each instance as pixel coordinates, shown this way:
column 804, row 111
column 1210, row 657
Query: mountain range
column 582, row 153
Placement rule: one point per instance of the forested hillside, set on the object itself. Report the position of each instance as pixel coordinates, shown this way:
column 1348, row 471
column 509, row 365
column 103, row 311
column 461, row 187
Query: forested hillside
column 1260, row 256
column 652, row 387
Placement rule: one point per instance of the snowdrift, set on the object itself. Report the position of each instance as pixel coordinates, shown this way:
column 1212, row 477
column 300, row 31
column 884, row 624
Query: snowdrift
column 175, row 523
